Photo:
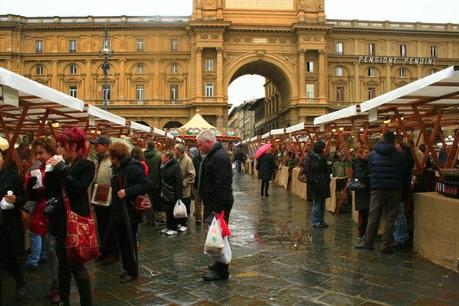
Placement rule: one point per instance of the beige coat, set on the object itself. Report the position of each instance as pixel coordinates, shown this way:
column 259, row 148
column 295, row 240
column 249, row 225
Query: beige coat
column 103, row 171
column 188, row 174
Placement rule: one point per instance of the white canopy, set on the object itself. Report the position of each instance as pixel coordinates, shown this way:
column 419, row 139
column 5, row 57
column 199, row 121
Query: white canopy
column 278, row 132
column 340, row 114
column 34, row 92
column 441, row 87
column 295, row 128
column 104, row 115
column 197, row 122
column 140, row 127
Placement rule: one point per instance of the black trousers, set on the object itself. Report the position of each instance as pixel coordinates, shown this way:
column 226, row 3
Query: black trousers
column 264, row 187
column 184, row 221
column 108, row 246
column 363, row 221
column 80, row 274
column 127, row 243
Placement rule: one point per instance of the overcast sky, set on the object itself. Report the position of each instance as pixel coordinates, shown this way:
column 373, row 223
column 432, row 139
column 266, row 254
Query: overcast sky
column 245, row 87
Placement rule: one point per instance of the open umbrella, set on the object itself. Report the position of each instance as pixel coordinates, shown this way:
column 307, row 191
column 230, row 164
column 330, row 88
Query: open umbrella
column 4, row 144
column 262, row 150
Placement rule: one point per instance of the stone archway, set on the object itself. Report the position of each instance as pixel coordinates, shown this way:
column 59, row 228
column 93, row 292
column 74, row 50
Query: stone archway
column 271, row 66
column 172, row 124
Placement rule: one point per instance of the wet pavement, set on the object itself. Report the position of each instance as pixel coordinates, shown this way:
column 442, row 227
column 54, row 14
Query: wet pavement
column 278, row 259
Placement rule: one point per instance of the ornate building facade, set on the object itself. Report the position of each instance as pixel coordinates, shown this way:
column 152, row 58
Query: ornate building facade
column 165, row 69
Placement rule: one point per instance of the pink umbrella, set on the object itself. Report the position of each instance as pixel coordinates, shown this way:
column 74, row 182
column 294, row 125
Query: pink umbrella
column 262, row 150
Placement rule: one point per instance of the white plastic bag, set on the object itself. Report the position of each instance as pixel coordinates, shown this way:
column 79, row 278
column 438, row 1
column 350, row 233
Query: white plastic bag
column 226, row 255
column 180, row 210
column 214, row 242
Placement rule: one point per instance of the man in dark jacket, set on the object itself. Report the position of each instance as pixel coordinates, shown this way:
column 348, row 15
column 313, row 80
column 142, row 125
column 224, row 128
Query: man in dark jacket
column 153, row 160
column 239, row 159
column 386, row 174
column 215, row 188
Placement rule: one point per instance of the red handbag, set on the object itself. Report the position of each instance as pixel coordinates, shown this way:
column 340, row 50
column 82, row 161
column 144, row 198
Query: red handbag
column 141, row 203
column 81, row 240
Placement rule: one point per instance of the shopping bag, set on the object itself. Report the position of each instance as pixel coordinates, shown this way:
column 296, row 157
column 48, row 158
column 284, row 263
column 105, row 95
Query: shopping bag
column 226, row 255
column 180, row 210
column 223, row 225
column 214, row 241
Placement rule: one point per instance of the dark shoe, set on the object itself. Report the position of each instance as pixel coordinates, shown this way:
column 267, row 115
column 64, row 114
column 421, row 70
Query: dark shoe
column 214, row 276
column 324, row 225
column 30, row 267
column 320, row 225
column 387, row 250
column 212, row 267
column 362, row 245
column 20, row 292
column 266, row 195
column 198, row 222
column 64, row 303
column 109, row 260
column 123, row 274
column 128, row 278
column 52, row 291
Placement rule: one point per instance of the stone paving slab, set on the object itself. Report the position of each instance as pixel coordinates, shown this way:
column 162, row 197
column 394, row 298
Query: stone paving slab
column 264, row 271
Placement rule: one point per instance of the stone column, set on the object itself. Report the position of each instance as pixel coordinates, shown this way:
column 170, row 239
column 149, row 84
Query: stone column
column 198, row 96
column 219, row 97
column 356, row 83
column 388, row 78
column 54, row 82
column 122, row 80
column 323, row 76
column 301, row 76
column 88, row 81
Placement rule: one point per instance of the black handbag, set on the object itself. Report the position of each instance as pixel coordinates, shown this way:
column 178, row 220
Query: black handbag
column 168, row 193
column 356, row 185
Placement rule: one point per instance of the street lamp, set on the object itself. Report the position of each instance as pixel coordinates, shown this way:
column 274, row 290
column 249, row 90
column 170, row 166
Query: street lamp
column 105, row 66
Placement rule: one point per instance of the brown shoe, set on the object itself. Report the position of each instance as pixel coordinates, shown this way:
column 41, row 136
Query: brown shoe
column 52, row 291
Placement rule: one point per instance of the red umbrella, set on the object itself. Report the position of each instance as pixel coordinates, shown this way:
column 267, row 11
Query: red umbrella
column 262, row 150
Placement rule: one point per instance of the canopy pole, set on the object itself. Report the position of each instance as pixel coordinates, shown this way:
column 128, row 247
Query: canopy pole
column 14, row 153
column 419, row 167
column 454, row 151
column 426, row 137
column 41, row 129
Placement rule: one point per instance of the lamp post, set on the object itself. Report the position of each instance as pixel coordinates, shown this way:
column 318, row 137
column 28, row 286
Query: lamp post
column 105, row 66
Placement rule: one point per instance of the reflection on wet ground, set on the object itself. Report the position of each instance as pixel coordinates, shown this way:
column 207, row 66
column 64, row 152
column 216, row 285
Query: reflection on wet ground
column 267, row 268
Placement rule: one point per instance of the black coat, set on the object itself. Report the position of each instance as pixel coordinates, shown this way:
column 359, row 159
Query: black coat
column 197, row 165
column 266, row 167
column 11, row 226
column 75, row 179
column 239, row 156
column 362, row 173
column 171, row 184
column 130, row 177
column 386, row 167
column 318, row 175
column 215, row 181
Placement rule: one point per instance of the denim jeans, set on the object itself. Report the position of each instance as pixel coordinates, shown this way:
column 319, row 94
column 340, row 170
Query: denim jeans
column 318, row 211
column 401, row 227
column 38, row 250
column 238, row 166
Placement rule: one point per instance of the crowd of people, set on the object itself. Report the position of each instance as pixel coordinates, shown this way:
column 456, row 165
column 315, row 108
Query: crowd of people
column 59, row 177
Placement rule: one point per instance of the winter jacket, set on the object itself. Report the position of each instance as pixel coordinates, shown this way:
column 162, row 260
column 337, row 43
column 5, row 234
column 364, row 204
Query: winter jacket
column 361, row 172
column 130, row 177
column 104, row 171
column 188, row 174
column 75, row 180
column 172, row 183
column 239, row 156
column 11, row 226
column 386, row 167
column 266, row 167
column 215, row 180
column 197, row 165
column 318, row 175
column 153, row 161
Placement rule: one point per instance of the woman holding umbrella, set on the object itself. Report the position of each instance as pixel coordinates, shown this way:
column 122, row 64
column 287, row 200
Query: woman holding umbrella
column 265, row 167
